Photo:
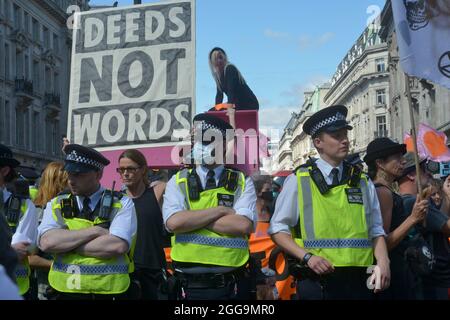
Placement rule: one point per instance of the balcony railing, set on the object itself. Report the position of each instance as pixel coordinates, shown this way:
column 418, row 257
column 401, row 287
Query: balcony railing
column 52, row 99
column 25, row 86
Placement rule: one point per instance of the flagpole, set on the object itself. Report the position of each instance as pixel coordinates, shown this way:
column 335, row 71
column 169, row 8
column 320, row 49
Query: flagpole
column 413, row 134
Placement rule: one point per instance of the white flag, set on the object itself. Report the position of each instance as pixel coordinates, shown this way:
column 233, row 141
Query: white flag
column 423, row 35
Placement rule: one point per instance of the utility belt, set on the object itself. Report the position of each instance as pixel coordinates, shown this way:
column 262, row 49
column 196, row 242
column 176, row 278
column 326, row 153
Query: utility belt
column 210, row 280
column 299, row 271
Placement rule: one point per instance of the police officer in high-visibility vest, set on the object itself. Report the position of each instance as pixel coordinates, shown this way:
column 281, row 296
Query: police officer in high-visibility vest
column 211, row 211
column 327, row 218
column 90, row 231
column 21, row 217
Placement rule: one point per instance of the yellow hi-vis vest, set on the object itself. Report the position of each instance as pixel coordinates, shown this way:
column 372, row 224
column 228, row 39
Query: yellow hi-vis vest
column 204, row 246
column 22, row 271
column 74, row 273
column 334, row 226
column 33, row 192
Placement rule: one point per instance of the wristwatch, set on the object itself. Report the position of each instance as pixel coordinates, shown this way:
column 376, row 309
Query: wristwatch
column 306, row 258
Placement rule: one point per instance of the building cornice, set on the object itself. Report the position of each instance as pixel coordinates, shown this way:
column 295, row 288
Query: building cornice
column 375, row 49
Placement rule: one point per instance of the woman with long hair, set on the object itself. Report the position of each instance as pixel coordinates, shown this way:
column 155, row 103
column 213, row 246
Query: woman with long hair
column 386, row 163
column 53, row 181
column 231, row 82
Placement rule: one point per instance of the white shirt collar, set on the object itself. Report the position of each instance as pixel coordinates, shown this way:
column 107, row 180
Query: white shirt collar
column 326, row 168
column 95, row 198
column 203, row 171
column 6, row 194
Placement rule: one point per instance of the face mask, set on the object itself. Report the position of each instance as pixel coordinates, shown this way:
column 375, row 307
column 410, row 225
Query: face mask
column 202, row 154
column 268, row 196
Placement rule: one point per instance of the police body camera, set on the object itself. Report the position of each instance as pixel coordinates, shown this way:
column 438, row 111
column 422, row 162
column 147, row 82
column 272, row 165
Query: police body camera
column 106, row 203
column 13, row 210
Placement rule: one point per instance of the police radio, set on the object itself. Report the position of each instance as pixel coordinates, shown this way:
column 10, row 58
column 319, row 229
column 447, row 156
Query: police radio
column 355, row 176
column 106, row 203
column 317, row 176
column 13, row 210
column 67, row 208
column 193, row 186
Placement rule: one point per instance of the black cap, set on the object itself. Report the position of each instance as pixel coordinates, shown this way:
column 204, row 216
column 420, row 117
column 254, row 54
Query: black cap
column 80, row 159
column 207, row 121
column 6, row 157
column 328, row 120
column 28, row 173
column 382, row 148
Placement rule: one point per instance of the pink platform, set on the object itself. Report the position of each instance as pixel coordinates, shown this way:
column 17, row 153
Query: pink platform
column 160, row 157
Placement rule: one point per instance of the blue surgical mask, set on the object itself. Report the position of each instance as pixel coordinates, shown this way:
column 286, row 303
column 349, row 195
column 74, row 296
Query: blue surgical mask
column 202, row 154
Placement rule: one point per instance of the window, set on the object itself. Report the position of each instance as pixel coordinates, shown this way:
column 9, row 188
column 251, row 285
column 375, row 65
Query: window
column 36, row 132
column 36, row 30
column 381, row 67
column 56, row 86
column 7, row 62
column 46, row 38
column 56, row 43
column 381, row 97
column 26, row 18
column 17, row 17
column 51, row 135
column 27, row 67
column 55, row 140
column 7, row 9
column 19, row 65
column 48, row 80
column 20, row 128
column 381, row 127
column 36, row 82
column 7, row 122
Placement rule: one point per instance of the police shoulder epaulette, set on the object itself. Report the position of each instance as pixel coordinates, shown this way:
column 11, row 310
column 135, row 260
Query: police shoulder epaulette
column 119, row 195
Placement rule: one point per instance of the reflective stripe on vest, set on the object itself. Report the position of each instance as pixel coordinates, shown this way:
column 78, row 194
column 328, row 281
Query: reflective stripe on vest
column 235, row 243
column 74, row 273
column 345, row 251
column 22, row 271
column 204, row 246
column 91, row 269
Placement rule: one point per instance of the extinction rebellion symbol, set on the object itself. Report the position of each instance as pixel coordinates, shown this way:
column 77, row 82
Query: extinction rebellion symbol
column 444, row 64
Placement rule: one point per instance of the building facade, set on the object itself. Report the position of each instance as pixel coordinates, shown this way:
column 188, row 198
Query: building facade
column 35, row 46
column 361, row 83
column 431, row 102
column 283, row 159
column 301, row 144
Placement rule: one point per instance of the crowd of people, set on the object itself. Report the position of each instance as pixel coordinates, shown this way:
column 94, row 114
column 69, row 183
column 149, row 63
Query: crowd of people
column 187, row 237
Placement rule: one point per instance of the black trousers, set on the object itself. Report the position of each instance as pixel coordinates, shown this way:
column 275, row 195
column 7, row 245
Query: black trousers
column 342, row 284
column 148, row 281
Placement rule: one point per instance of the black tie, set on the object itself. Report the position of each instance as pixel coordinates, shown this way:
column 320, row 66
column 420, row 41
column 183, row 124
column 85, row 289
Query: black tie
column 335, row 175
column 210, row 181
column 86, row 210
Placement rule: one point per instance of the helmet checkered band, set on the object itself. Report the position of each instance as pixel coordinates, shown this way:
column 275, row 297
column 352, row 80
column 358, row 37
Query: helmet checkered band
column 205, row 126
column 339, row 116
column 73, row 156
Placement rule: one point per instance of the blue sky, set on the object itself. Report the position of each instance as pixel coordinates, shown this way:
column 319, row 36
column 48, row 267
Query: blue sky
column 282, row 48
